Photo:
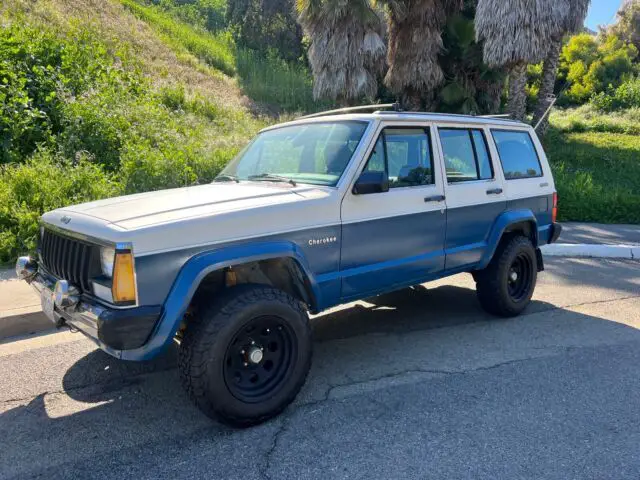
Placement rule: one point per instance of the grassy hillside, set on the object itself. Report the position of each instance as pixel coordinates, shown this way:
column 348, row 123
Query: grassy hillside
column 596, row 164
column 95, row 103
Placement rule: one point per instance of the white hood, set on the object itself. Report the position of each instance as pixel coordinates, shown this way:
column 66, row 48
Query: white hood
column 184, row 217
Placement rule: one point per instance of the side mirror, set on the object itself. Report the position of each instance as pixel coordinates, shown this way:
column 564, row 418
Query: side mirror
column 371, row 182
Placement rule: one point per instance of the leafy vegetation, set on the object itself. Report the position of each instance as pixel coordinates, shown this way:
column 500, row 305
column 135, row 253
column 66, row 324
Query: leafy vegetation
column 626, row 96
column 216, row 50
column 591, row 65
column 81, row 121
column 265, row 76
column 41, row 184
column 267, row 27
column 595, row 163
column 206, row 14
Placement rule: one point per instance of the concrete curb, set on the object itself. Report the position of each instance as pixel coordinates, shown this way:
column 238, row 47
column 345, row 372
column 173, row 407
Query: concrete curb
column 629, row 252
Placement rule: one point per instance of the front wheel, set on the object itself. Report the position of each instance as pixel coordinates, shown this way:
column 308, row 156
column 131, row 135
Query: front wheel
column 506, row 286
column 246, row 356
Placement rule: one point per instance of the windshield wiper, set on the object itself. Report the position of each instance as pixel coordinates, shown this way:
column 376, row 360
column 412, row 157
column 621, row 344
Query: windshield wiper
column 270, row 177
column 226, row 178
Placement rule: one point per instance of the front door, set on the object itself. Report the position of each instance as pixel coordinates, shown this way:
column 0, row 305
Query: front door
column 396, row 238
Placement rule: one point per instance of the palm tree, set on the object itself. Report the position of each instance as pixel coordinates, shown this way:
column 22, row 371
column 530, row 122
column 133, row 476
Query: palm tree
column 415, row 41
column 573, row 22
column 516, row 33
column 470, row 86
column 347, row 49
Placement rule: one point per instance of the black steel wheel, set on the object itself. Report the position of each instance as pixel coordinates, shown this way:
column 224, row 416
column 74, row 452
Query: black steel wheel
column 244, row 358
column 519, row 277
column 506, row 286
column 259, row 359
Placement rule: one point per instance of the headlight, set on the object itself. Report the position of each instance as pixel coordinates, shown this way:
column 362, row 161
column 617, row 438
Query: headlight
column 107, row 257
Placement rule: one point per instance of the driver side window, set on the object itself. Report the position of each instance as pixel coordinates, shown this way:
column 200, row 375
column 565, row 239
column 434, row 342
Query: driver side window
column 405, row 155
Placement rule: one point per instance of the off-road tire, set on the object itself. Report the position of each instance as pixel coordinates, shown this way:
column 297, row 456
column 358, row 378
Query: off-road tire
column 493, row 283
column 210, row 336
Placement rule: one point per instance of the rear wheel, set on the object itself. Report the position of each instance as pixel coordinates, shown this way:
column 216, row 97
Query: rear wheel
column 246, row 356
column 506, row 286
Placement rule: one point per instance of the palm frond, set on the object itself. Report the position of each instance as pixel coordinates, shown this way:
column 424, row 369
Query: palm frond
column 518, row 31
column 347, row 51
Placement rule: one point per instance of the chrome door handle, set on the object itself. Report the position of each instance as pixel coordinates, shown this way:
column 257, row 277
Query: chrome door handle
column 494, row 191
column 545, row 184
column 435, row 198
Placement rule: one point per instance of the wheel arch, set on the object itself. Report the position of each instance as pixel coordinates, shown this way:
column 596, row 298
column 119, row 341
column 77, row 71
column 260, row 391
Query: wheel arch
column 282, row 254
column 521, row 221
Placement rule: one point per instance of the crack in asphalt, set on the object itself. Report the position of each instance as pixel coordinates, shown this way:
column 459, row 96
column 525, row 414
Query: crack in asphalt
column 268, row 455
column 595, row 302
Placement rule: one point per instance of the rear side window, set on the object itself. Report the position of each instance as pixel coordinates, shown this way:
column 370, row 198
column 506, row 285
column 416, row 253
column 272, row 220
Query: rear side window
column 466, row 156
column 517, row 154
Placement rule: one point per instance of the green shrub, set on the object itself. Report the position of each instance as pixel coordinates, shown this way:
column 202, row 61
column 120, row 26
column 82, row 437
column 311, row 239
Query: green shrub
column 207, row 14
column 44, row 81
column 45, row 182
column 272, row 80
column 590, row 65
column 626, row 96
column 95, row 125
column 147, row 167
column 597, row 175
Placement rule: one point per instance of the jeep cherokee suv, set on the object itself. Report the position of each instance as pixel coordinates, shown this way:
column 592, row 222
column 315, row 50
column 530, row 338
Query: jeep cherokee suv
column 311, row 214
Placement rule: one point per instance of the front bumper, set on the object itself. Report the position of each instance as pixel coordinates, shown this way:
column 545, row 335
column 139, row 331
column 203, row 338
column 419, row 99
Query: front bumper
column 112, row 329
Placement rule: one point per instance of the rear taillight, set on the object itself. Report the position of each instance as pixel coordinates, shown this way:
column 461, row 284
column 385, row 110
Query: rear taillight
column 554, row 212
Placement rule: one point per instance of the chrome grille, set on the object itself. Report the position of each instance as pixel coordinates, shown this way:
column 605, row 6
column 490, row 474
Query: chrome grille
column 69, row 259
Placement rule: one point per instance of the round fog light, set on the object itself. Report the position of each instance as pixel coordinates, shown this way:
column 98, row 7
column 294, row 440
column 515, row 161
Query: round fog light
column 65, row 295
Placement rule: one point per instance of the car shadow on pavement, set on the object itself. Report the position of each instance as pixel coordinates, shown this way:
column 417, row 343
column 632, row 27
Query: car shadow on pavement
column 139, row 409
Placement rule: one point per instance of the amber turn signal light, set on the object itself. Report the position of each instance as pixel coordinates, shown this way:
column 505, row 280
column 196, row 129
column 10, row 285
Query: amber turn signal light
column 124, row 278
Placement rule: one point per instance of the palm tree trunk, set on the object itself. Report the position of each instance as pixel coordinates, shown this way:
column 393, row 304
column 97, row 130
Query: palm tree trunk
column 517, row 104
column 549, row 74
column 411, row 100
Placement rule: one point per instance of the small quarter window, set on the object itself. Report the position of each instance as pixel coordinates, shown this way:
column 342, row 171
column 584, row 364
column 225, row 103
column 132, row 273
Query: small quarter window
column 517, row 154
column 405, row 154
column 466, row 156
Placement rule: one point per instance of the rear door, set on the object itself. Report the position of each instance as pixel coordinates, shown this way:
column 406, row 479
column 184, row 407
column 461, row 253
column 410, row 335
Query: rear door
column 474, row 191
column 395, row 238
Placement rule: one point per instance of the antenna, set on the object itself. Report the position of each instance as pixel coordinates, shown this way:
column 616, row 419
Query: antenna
column 378, row 106
column 552, row 99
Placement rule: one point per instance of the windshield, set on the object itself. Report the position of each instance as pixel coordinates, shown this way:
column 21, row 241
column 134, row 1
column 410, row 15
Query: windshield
column 315, row 153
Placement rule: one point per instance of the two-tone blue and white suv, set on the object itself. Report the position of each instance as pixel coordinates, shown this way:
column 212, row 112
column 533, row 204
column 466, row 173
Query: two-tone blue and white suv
column 311, row 214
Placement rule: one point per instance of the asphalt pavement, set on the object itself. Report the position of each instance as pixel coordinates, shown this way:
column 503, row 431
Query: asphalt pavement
column 416, row 384
column 600, row 233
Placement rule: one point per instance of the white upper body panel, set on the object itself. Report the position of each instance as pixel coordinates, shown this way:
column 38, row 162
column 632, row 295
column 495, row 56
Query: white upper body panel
column 226, row 211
